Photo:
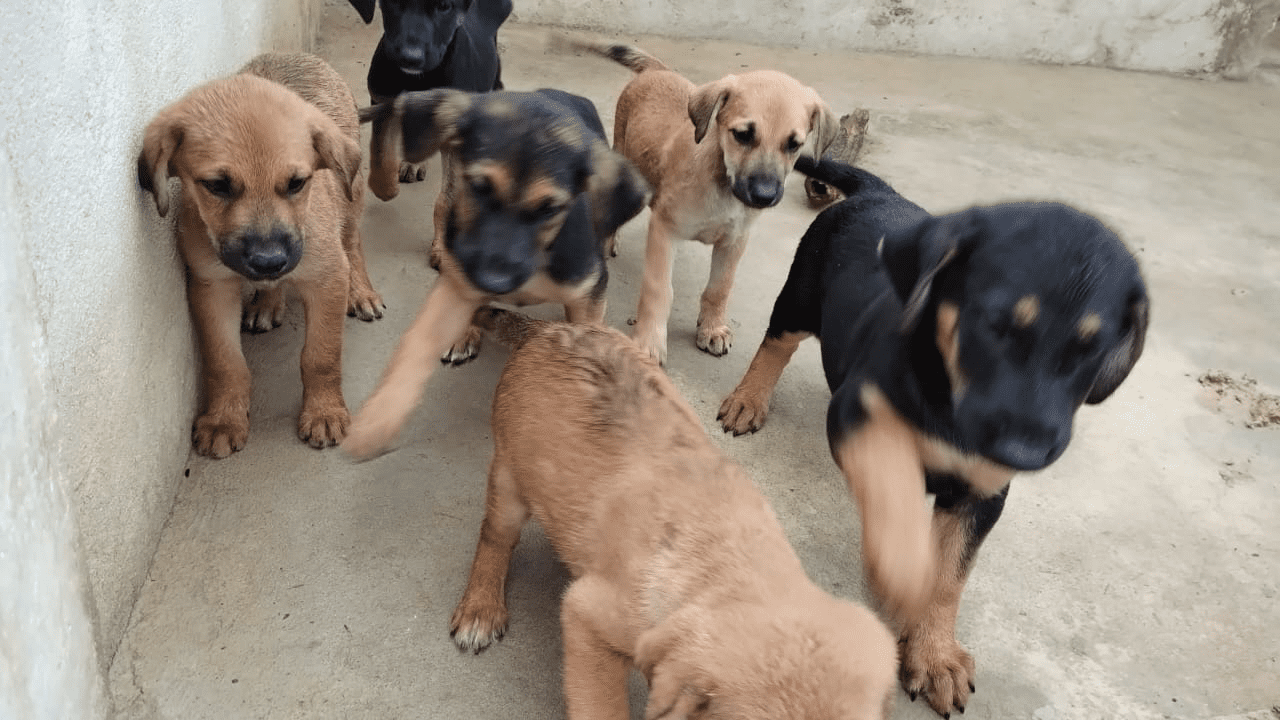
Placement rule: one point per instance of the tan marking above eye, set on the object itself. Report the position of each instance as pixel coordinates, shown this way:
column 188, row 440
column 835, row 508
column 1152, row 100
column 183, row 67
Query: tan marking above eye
column 1089, row 326
column 543, row 192
column 497, row 176
column 1026, row 311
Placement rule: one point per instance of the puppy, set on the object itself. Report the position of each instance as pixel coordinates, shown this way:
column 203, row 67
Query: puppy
column 533, row 199
column 716, row 155
column 957, row 349
column 428, row 44
column 679, row 566
column 272, row 192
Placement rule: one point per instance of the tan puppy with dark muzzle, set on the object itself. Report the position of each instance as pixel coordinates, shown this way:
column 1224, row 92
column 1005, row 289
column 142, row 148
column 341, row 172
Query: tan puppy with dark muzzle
column 272, row 193
column 680, row 567
column 716, row 155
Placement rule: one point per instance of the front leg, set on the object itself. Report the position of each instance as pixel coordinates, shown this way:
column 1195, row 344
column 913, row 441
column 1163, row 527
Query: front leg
column 714, row 335
column 650, row 331
column 933, row 663
column 223, row 427
column 324, row 417
column 445, row 314
column 595, row 672
column 745, row 409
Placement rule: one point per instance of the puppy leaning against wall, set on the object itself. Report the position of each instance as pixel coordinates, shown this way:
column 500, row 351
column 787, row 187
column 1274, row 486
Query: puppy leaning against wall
column 532, row 200
column 957, row 349
column 271, row 196
column 716, row 154
column 679, row 566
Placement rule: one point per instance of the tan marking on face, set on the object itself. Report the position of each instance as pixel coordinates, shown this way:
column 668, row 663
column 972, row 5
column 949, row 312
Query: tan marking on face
column 948, row 341
column 1089, row 326
column 498, row 176
column 540, row 193
column 1026, row 311
column 568, row 135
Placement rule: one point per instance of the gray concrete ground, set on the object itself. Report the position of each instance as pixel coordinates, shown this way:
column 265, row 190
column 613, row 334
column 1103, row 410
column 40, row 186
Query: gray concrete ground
column 1136, row 578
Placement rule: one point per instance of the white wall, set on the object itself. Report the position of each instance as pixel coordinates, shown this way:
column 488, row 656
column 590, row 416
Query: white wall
column 1164, row 35
column 103, row 410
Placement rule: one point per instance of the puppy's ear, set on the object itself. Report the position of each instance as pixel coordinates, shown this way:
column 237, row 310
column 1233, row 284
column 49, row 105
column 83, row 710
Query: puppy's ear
column 824, row 128
column 338, row 153
column 1121, row 359
column 913, row 261
column 617, row 190
column 676, row 690
column 365, row 8
column 705, row 104
column 159, row 143
column 416, row 124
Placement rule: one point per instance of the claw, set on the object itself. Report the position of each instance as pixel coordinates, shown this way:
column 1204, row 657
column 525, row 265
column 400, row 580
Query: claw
column 971, row 687
column 911, row 694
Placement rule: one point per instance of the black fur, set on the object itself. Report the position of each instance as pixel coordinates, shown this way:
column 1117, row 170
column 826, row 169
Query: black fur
column 429, row 44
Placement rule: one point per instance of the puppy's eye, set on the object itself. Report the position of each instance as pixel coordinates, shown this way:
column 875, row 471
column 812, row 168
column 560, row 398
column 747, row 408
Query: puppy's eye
column 480, row 186
column 219, row 187
column 545, row 210
column 745, row 137
column 295, row 185
column 793, row 144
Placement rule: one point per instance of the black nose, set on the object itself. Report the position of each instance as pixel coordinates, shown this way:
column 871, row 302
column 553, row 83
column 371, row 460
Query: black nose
column 267, row 262
column 1022, row 453
column 498, row 281
column 763, row 191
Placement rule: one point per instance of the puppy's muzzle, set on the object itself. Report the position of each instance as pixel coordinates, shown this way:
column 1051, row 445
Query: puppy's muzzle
column 501, row 263
column 1021, row 443
column 759, row 190
column 262, row 254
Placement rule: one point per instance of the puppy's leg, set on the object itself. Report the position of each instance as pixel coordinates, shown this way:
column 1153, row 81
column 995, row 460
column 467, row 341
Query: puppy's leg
column 265, row 311
column 480, row 618
column 223, row 428
column 440, row 214
column 362, row 300
column 444, row 315
column 324, row 417
column 650, row 331
column 933, row 663
column 714, row 335
column 881, row 462
column 595, row 672
column 745, row 409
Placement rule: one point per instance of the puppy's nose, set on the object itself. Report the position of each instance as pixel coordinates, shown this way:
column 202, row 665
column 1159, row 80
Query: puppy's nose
column 763, row 191
column 267, row 262
column 411, row 58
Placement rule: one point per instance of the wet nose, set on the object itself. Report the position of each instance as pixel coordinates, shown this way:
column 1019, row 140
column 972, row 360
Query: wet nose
column 267, row 261
column 763, row 191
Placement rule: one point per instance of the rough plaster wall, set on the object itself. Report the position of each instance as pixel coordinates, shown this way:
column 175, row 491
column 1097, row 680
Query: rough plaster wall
column 47, row 664
column 1164, row 35
column 84, row 77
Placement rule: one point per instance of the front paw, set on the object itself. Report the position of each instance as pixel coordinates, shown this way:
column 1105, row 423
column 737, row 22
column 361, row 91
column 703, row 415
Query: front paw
column 323, row 427
column 413, row 172
column 465, row 349
column 743, row 411
column 936, row 666
column 652, row 342
column 264, row 312
column 715, row 339
column 365, row 304
column 217, row 436
column 477, row 624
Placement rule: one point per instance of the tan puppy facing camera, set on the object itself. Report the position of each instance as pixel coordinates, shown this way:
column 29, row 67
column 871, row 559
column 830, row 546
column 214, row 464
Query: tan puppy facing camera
column 716, row 155
column 272, row 193
column 680, row 567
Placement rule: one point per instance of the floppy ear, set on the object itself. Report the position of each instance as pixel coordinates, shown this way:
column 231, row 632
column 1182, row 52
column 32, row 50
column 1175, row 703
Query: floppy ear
column 365, row 8
column 824, row 128
column 417, row 123
column 617, row 190
column 159, row 143
column 337, row 152
column 914, row 261
column 1121, row 359
column 705, row 104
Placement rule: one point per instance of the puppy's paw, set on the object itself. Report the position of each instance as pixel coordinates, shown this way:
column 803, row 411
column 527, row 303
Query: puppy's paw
column 413, row 172
column 652, row 342
column 323, row 427
column 743, row 411
column 217, row 436
column 264, row 312
column 435, row 257
column 477, row 624
column 365, row 304
column 936, row 666
column 715, row 339
column 465, row 349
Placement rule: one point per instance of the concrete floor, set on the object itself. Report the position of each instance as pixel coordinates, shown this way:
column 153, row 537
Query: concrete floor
column 1136, row 578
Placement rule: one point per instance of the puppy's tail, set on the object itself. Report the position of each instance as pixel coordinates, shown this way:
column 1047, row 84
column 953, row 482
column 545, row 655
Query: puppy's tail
column 628, row 56
column 845, row 178
column 510, row 328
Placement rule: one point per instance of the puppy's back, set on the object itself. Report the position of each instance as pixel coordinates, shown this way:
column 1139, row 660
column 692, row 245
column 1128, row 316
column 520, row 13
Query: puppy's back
column 315, row 80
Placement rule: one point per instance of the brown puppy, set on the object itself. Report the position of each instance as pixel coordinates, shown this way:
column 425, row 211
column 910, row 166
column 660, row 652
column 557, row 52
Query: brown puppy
column 680, row 567
column 532, row 197
column 716, row 155
column 269, row 161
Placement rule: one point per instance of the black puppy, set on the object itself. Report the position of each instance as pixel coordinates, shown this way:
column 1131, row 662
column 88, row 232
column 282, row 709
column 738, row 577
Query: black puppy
column 957, row 349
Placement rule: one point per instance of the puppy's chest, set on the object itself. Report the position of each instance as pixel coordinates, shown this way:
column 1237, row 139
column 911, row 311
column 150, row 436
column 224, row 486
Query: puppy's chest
column 720, row 216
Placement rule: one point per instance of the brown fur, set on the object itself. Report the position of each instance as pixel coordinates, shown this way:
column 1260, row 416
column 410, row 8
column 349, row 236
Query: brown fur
column 253, row 131
column 681, row 137
column 680, row 567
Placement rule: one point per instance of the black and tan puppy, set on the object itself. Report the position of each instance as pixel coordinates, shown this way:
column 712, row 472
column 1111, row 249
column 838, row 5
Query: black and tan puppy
column 272, row 194
column 679, row 566
column 957, row 349
column 532, row 200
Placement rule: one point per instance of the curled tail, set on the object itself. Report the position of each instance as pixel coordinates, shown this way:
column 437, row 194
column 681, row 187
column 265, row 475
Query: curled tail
column 845, row 178
column 628, row 56
column 510, row 328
